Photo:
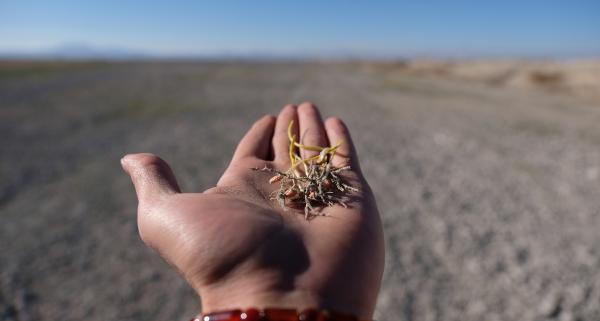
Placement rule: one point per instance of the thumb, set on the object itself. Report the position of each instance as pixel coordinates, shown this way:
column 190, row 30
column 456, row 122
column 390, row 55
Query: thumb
column 151, row 176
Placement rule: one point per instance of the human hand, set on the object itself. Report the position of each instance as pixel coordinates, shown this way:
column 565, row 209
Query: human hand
column 238, row 248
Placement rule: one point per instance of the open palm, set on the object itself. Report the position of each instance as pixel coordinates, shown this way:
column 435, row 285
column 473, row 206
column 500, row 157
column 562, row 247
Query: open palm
column 238, row 248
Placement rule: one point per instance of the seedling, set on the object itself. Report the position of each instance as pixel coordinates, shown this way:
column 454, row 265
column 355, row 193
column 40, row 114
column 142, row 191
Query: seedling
column 310, row 182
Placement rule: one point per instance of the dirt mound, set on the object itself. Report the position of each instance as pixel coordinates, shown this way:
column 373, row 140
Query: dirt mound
column 580, row 78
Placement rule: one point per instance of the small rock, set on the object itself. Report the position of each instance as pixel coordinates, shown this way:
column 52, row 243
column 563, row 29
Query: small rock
column 567, row 316
column 551, row 306
column 591, row 173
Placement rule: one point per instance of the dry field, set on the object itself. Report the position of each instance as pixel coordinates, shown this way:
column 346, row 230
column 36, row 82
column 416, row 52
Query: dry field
column 486, row 175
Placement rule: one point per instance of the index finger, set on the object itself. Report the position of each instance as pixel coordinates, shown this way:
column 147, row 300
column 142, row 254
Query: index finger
column 257, row 140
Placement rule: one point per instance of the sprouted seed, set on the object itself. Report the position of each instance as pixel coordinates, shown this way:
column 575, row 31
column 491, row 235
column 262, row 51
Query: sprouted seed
column 310, row 181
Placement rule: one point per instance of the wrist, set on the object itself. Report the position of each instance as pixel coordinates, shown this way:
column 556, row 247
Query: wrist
column 232, row 296
column 226, row 299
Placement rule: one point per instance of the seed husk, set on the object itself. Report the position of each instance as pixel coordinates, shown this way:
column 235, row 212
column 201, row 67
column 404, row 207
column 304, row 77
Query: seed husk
column 275, row 179
column 290, row 193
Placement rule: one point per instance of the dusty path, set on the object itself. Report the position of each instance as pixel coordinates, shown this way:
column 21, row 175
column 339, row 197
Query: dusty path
column 489, row 196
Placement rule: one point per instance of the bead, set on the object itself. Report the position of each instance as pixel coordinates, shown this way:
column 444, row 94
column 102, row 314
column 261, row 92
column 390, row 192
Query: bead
column 308, row 315
column 281, row 314
column 336, row 316
column 250, row 315
column 323, row 316
column 232, row 315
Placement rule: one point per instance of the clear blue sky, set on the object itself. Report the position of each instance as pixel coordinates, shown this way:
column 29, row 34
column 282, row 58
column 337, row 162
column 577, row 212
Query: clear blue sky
column 384, row 28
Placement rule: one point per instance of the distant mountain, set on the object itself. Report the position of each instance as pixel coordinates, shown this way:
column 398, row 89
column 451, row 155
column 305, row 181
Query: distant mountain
column 76, row 51
column 83, row 51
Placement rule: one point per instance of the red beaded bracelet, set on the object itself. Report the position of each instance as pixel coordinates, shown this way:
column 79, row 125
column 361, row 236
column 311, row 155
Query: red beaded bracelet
column 272, row 314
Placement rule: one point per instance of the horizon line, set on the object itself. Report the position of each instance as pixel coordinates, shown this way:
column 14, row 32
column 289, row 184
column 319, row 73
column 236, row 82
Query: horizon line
column 83, row 51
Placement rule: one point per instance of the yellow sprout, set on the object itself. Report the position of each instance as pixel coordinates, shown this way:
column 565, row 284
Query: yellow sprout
column 325, row 153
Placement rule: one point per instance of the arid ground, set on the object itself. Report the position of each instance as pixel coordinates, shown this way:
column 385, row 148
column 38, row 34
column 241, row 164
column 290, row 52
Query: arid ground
column 487, row 179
